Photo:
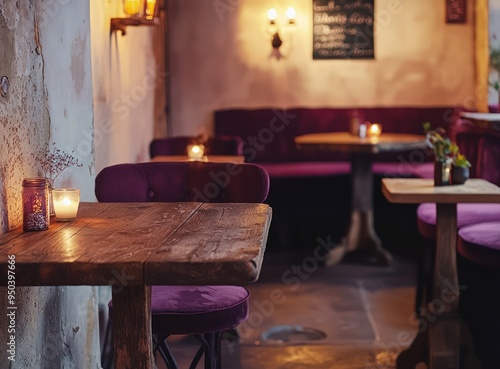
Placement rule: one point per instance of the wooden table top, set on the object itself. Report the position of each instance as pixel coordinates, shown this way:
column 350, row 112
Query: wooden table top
column 344, row 141
column 417, row 190
column 143, row 243
column 236, row 159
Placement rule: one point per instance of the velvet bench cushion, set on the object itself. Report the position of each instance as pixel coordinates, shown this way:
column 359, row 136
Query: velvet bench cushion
column 467, row 214
column 480, row 243
column 268, row 134
column 203, row 309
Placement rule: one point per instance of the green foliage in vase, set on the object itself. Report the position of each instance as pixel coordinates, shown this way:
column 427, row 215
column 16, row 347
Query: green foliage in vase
column 461, row 161
column 444, row 149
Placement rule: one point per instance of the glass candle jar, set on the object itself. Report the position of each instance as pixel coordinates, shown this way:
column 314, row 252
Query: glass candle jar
column 66, row 201
column 36, row 214
column 196, row 151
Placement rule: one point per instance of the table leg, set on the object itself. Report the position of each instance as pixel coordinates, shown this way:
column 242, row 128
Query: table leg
column 442, row 333
column 132, row 328
column 361, row 234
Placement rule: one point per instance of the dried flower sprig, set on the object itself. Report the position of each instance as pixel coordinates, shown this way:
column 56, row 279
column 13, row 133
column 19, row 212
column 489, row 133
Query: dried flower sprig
column 54, row 161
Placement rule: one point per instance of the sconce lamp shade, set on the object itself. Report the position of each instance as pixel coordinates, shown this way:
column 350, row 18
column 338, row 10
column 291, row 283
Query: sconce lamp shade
column 132, row 7
column 291, row 14
column 272, row 15
column 138, row 12
column 150, row 9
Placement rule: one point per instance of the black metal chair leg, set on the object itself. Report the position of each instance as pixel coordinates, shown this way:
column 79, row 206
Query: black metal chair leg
column 107, row 357
column 162, row 346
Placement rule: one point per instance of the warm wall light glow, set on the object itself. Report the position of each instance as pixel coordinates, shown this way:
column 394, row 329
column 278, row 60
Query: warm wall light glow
column 272, row 15
column 150, row 9
column 131, row 7
column 290, row 14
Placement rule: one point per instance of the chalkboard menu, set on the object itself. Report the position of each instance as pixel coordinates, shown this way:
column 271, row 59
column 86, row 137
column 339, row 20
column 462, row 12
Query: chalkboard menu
column 343, row 29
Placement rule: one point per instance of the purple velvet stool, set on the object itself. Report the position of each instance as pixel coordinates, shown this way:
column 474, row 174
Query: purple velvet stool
column 480, row 243
column 479, row 248
column 218, row 145
column 203, row 311
column 466, row 214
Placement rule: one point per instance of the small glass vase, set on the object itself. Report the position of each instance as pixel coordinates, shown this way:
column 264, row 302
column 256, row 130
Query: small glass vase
column 442, row 173
column 459, row 175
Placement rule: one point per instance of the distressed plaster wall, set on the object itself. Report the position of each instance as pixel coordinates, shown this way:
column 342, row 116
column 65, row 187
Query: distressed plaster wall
column 55, row 327
column 220, row 59
column 124, row 78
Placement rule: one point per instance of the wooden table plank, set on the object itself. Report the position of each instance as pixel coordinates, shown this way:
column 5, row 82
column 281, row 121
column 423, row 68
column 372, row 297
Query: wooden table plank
column 42, row 257
column 108, row 259
column 218, row 245
column 344, row 141
column 106, row 244
column 416, row 190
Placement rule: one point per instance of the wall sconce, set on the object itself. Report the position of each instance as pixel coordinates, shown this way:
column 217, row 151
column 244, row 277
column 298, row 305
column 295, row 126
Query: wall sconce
column 276, row 41
column 138, row 13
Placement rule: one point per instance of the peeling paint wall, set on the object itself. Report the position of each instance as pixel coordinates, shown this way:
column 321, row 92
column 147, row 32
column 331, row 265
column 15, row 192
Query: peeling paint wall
column 44, row 51
column 219, row 58
column 124, row 79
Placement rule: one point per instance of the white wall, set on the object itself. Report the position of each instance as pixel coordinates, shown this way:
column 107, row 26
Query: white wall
column 220, row 59
column 124, row 77
column 50, row 100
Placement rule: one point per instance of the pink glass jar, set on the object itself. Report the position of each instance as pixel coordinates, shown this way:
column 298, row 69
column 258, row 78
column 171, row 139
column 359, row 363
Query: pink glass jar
column 36, row 214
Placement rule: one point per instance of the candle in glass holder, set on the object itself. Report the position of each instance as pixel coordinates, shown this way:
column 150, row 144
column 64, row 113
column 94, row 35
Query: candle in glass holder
column 66, row 201
column 36, row 214
column 375, row 130
column 195, row 152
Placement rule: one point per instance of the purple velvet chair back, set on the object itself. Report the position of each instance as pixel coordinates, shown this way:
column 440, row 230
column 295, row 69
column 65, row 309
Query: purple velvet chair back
column 481, row 146
column 185, row 181
column 218, row 145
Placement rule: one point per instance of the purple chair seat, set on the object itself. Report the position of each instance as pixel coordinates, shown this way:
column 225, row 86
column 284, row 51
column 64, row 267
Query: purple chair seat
column 466, row 214
column 202, row 309
column 480, row 243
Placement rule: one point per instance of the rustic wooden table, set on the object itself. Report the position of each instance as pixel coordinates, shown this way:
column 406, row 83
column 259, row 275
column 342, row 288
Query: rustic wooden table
column 235, row 159
column 361, row 234
column 437, row 342
column 135, row 245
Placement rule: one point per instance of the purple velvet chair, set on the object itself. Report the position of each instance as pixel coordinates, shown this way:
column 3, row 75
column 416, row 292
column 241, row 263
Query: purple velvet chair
column 218, row 145
column 479, row 264
column 203, row 311
column 482, row 148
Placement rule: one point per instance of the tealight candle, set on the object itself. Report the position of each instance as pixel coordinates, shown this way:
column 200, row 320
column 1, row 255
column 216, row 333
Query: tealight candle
column 66, row 201
column 375, row 130
column 195, row 152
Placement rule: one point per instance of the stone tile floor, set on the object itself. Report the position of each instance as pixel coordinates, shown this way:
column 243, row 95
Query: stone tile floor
column 368, row 316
